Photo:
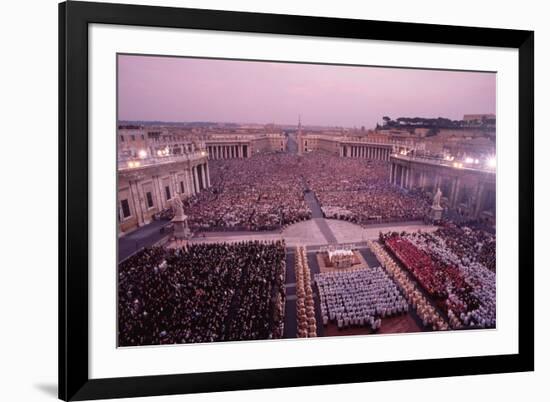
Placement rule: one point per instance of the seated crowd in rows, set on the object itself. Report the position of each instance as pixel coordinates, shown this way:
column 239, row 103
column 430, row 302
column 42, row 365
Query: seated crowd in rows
column 360, row 297
column 202, row 293
column 428, row 314
column 258, row 193
column 460, row 284
column 359, row 191
column 470, row 245
column 266, row 192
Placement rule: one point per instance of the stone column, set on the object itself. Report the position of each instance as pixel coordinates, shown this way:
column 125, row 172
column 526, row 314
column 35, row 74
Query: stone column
column 189, row 181
column 402, row 181
column 457, row 192
column 174, row 183
column 160, row 198
column 138, row 210
column 437, row 183
column 195, row 180
column 479, row 199
column 208, row 175
column 391, row 173
column 203, row 173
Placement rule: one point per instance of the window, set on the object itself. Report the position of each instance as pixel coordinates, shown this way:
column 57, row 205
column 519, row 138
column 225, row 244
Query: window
column 121, row 138
column 182, row 187
column 149, row 199
column 167, row 190
column 142, row 137
column 133, row 137
column 125, row 208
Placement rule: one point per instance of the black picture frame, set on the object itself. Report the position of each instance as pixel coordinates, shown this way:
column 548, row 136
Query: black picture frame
column 74, row 18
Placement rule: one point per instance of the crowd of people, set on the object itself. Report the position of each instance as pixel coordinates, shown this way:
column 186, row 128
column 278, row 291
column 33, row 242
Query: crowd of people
column 258, row 193
column 429, row 315
column 359, row 191
column 360, row 297
column 305, row 307
column 202, row 293
column 470, row 245
column 457, row 281
column 266, row 192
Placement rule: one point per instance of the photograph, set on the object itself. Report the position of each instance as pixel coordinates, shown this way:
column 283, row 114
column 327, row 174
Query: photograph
column 262, row 200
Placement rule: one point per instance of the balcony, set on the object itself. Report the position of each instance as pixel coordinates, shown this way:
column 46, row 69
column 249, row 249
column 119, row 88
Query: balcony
column 126, row 164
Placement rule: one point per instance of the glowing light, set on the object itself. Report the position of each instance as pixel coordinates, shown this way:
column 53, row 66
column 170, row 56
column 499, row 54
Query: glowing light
column 469, row 160
column 142, row 153
column 131, row 164
column 491, row 162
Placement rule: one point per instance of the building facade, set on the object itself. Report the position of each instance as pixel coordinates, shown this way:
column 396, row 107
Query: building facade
column 346, row 146
column 468, row 189
column 147, row 187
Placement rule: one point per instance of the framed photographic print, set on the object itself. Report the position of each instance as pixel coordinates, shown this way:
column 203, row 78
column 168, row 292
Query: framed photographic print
column 257, row 200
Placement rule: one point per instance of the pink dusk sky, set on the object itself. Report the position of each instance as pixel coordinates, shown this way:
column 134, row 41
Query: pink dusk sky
column 183, row 89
